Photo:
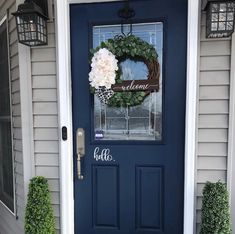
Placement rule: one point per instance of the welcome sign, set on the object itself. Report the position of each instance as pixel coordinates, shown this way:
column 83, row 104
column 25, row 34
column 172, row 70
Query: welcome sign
column 136, row 85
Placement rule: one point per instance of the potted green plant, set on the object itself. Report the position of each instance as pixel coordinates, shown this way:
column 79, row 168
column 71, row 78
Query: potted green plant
column 39, row 217
column 215, row 209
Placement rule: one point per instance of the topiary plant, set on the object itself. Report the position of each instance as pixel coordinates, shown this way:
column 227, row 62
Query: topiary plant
column 39, row 217
column 215, row 209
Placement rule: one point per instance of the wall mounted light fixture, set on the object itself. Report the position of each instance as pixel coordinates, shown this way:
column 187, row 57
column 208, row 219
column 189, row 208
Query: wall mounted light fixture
column 31, row 21
column 219, row 18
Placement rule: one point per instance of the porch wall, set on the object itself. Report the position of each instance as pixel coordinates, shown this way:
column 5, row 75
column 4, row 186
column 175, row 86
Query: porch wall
column 45, row 116
column 9, row 224
column 213, row 113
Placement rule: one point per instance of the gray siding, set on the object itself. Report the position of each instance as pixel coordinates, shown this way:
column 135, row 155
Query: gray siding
column 213, row 113
column 45, row 116
column 8, row 223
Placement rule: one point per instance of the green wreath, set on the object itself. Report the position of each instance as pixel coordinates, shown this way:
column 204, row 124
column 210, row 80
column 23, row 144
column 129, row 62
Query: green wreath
column 133, row 48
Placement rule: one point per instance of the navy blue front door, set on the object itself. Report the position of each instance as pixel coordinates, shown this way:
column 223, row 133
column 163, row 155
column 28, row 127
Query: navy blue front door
column 133, row 176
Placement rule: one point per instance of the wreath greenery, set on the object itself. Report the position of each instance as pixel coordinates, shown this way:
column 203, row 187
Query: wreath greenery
column 133, row 48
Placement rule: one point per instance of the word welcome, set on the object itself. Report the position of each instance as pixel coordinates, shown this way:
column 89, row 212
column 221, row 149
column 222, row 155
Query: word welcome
column 134, row 85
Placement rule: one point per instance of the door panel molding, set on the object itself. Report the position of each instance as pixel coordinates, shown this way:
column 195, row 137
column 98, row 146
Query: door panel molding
column 65, row 112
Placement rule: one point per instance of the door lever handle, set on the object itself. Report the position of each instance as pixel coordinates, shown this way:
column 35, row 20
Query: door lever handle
column 80, row 151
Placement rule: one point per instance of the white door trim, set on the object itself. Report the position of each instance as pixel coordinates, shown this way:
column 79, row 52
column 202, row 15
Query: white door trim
column 231, row 135
column 65, row 116
column 194, row 12
column 65, row 113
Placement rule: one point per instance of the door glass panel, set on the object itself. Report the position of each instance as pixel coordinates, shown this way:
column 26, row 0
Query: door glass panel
column 142, row 122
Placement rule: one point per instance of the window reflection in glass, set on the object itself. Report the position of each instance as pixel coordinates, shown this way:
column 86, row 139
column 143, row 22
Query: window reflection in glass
column 133, row 70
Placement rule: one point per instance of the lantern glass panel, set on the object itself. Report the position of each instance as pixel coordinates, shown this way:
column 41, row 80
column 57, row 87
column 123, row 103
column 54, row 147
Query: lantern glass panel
column 230, row 6
column 214, row 26
column 222, row 17
column 222, row 26
column 230, row 16
column 229, row 25
column 215, row 7
column 214, row 17
column 223, row 7
column 41, row 32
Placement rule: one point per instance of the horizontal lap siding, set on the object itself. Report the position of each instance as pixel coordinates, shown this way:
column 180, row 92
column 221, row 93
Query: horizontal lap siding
column 45, row 116
column 8, row 223
column 213, row 113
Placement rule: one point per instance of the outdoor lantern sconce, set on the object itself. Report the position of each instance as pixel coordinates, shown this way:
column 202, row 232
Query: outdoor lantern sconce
column 219, row 18
column 31, row 21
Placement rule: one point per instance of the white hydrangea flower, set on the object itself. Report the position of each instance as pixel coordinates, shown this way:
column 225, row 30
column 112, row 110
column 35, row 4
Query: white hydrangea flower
column 103, row 69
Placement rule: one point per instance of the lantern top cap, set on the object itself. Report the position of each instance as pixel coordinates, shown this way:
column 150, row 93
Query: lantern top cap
column 207, row 2
column 29, row 7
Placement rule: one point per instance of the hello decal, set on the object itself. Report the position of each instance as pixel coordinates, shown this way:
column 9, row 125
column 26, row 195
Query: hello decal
column 103, row 155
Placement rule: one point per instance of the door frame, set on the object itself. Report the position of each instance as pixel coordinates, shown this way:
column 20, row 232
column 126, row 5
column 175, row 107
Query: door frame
column 65, row 112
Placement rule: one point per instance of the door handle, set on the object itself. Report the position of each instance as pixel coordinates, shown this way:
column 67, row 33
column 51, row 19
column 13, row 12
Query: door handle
column 80, row 151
